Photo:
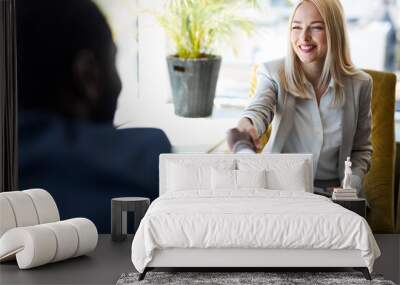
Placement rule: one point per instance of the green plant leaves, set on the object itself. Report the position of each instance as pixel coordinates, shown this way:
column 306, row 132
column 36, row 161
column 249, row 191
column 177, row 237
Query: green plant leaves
column 194, row 26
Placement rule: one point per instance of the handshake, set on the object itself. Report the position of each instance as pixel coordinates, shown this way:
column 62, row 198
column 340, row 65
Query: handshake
column 243, row 138
column 240, row 141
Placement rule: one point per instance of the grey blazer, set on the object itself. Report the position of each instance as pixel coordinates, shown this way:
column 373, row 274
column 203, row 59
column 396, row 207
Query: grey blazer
column 269, row 106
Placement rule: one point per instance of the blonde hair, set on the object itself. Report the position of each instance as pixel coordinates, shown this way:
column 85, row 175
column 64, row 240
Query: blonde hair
column 337, row 64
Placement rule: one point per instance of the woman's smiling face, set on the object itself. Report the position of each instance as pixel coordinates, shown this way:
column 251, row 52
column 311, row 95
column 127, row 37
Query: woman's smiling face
column 308, row 34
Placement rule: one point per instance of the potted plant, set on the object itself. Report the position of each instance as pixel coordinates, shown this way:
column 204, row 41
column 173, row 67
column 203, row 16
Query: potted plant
column 194, row 27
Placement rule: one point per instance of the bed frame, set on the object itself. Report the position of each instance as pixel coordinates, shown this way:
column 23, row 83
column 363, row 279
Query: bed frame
column 246, row 259
column 249, row 259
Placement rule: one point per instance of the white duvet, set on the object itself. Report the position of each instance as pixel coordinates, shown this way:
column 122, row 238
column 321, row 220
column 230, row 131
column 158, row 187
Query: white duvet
column 250, row 219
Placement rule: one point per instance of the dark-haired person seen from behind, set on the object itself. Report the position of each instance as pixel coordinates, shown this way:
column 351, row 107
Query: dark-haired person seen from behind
column 68, row 87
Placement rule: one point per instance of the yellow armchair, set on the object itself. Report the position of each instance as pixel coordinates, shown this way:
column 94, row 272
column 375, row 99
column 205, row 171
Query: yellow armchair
column 379, row 182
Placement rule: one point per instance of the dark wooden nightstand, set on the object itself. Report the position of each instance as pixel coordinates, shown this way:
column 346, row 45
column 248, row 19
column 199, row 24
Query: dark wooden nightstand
column 358, row 206
column 119, row 209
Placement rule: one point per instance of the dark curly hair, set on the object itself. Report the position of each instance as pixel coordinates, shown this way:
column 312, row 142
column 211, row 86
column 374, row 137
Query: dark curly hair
column 50, row 33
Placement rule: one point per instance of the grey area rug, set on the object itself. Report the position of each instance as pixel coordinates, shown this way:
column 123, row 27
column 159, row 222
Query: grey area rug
column 229, row 278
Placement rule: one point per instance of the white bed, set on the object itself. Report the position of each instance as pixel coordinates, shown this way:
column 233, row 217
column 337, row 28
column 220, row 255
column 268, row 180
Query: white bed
column 202, row 220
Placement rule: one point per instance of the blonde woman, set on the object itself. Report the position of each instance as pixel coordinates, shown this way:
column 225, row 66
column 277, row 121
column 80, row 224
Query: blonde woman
column 315, row 99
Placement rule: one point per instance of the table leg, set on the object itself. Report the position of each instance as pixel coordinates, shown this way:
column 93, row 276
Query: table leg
column 140, row 211
column 116, row 222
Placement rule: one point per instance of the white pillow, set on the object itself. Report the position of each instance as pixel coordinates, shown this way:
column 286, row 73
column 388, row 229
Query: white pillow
column 223, row 179
column 291, row 179
column 187, row 174
column 237, row 179
column 282, row 173
column 251, row 179
column 185, row 178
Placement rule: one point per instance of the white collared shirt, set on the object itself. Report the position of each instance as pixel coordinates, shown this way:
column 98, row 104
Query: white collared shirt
column 317, row 130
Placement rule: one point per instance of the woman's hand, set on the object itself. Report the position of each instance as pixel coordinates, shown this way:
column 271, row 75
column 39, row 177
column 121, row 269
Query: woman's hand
column 246, row 125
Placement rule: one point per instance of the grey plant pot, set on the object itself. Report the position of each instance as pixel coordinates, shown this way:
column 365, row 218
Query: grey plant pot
column 193, row 83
